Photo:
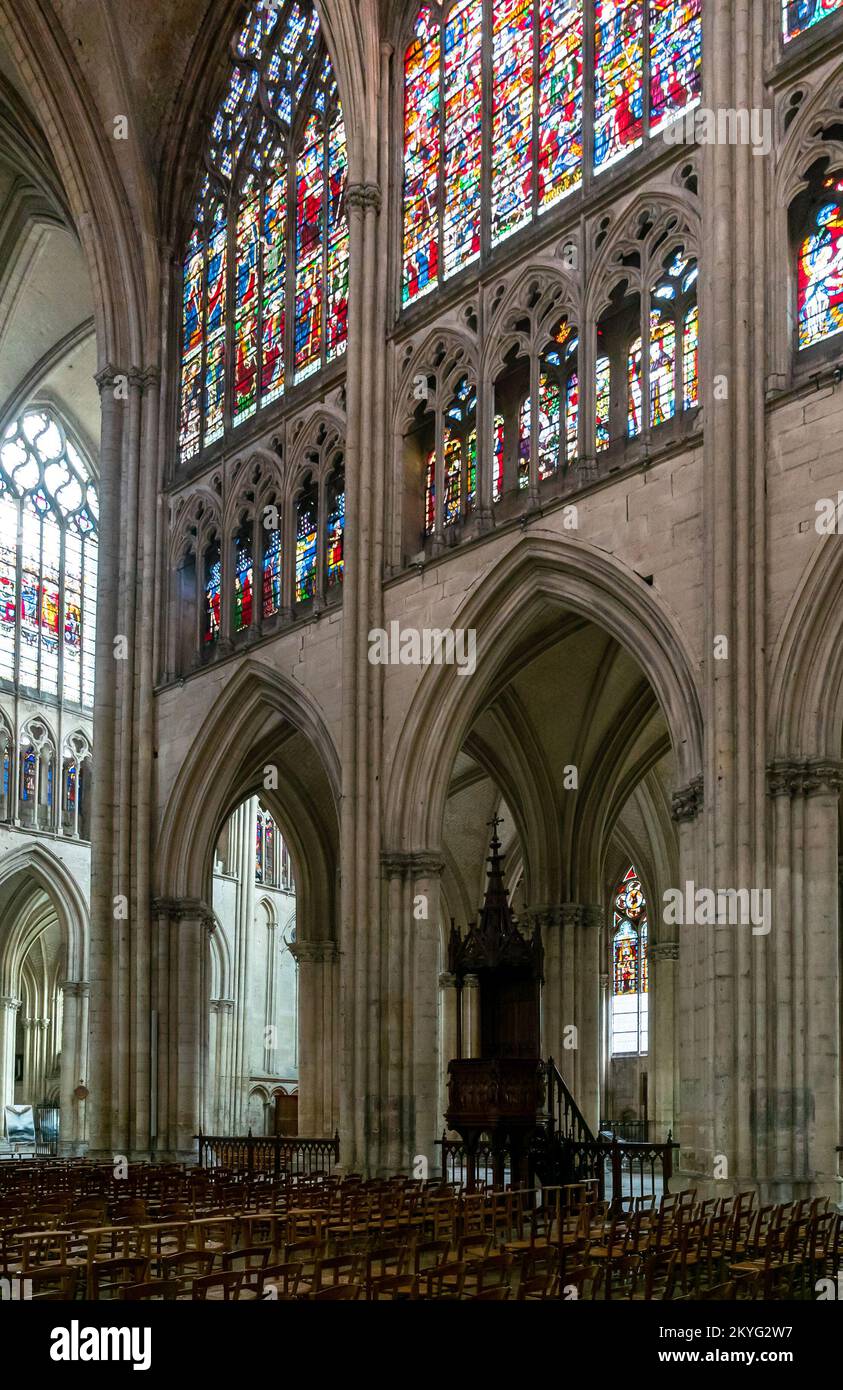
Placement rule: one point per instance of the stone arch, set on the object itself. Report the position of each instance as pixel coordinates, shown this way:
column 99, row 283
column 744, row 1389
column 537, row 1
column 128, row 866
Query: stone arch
column 569, row 576
column 557, row 293
column 261, row 718
column 622, row 239
column 806, row 686
column 42, row 869
column 353, row 45
column 117, row 235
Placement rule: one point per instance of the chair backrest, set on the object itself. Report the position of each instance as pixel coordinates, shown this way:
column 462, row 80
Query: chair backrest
column 446, row 1280
column 155, row 1289
column 336, row 1293
column 249, row 1257
column 108, row 1275
column 225, row 1287
column 54, row 1283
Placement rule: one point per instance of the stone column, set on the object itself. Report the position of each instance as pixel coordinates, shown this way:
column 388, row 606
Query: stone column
column 447, row 1034
column 30, row 1059
column 8, row 1021
column 181, row 1009
column 797, row 1111
column 571, row 1013
column 317, row 965
column 107, row 1108
column 403, row 1115
column 218, row 1107
column 693, row 1020
column 663, row 959
column 243, row 837
column 471, row 1016
column 74, row 1064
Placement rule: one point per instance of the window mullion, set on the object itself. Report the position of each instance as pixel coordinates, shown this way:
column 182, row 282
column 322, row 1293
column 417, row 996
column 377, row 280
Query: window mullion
column 645, row 70
column 486, row 118
column 589, row 77
column 537, row 44
column 440, row 276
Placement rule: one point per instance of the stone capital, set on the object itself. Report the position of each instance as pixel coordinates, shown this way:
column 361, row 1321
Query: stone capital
column 364, row 196
column 75, row 989
column 314, row 952
column 412, row 864
column 687, row 803
column 447, row 981
column 804, row 777
column 663, row 950
column 106, row 378
column 186, row 910
column 9, row 1003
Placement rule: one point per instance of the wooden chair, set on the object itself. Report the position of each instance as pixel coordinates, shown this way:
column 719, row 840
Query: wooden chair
column 108, row 1276
column 446, row 1280
column 280, row 1281
column 53, row 1283
column 539, row 1288
column 336, row 1293
column 225, row 1288
column 185, row 1266
column 493, row 1295
column 337, row 1269
column 155, row 1289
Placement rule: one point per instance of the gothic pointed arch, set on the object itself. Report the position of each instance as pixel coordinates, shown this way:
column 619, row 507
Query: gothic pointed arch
column 570, row 576
column 265, row 270
column 262, row 721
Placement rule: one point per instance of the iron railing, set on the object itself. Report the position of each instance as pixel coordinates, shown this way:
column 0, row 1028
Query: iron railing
column 273, row 1154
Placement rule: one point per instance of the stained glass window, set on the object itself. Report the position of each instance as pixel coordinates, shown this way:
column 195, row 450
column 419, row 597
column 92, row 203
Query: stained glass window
column 272, row 571
column 560, row 99
column 630, row 975
column 603, row 402
column 48, row 561
column 690, row 358
column 271, row 205
column 662, row 368
column 422, row 104
column 493, row 125
column 549, row 426
column 259, row 827
column 800, row 15
column 633, row 377
column 513, row 42
column 471, row 487
column 243, row 583
column 213, row 593
column 306, row 540
column 820, row 270
column 463, row 147
column 453, row 478
column 497, row 475
column 675, row 58
column 618, row 79
column 269, row 850
column 572, row 418
column 430, row 493
column 525, row 444
column 335, row 535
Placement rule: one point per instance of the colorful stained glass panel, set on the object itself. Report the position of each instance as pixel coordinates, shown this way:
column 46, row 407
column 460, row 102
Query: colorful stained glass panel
column 463, row 139
column 513, row 41
column 820, row 272
column 618, row 79
column 798, row 16
column 560, row 99
column 422, row 98
column 675, row 58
